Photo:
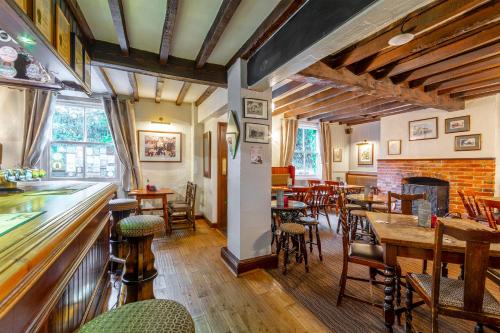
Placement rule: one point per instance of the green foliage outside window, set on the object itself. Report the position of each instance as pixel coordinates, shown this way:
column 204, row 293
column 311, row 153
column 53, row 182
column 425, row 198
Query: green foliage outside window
column 306, row 156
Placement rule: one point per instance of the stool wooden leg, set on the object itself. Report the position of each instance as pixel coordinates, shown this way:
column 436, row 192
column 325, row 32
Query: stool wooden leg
column 286, row 252
column 304, row 250
column 318, row 243
column 310, row 238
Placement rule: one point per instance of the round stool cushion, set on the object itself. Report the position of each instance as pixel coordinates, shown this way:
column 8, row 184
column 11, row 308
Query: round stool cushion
column 118, row 205
column 379, row 207
column 154, row 315
column 308, row 220
column 352, row 206
column 293, row 228
column 140, row 225
column 359, row 213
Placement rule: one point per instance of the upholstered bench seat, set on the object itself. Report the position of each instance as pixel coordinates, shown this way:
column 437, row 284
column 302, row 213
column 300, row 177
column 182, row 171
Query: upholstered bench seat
column 156, row 315
column 141, row 225
column 122, row 204
column 367, row 251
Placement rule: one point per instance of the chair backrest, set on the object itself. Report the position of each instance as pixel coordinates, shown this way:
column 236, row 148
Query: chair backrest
column 489, row 207
column 302, row 194
column 313, row 182
column 405, row 201
column 332, row 183
column 343, row 222
column 191, row 199
column 375, row 189
column 478, row 239
column 320, row 195
column 470, row 203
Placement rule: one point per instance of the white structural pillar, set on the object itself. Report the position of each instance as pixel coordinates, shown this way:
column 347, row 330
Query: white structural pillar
column 249, row 185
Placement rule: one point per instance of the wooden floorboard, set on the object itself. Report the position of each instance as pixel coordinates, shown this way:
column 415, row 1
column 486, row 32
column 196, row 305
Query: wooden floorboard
column 191, row 272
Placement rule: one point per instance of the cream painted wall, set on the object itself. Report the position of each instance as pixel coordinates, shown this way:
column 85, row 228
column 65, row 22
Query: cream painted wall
column 342, row 141
column 484, row 120
column 371, row 133
column 276, row 140
column 12, row 128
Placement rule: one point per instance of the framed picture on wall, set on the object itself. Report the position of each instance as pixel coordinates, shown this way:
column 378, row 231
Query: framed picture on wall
column 337, row 154
column 423, row 129
column 255, row 108
column 468, row 142
column 207, row 150
column 77, row 55
column 159, row 146
column 63, row 30
column 232, row 134
column 23, row 4
column 256, row 133
column 457, row 124
column 87, row 69
column 394, row 147
column 365, row 153
column 42, row 16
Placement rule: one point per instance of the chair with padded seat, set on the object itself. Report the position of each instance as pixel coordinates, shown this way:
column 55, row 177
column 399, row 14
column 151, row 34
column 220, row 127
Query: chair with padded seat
column 138, row 231
column 189, row 189
column 120, row 208
column 293, row 233
column 155, row 315
column 468, row 298
column 184, row 212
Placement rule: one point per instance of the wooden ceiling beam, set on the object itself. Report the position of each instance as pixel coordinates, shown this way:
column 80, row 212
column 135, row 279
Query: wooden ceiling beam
column 209, row 91
column 168, row 31
column 286, row 88
column 116, row 8
column 375, row 116
column 321, row 97
column 105, row 81
column 474, row 20
column 182, row 93
column 388, row 106
column 445, row 87
column 382, row 88
column 478, row 91
column 484, row 37
column 133, row 83
column 299, row 95
column 485, row 94
column 455, row 91
column 349, row 107
column 159, row 89
column 448, row 64
column 416, row 23
column 226, row 11
column 340, row 96
column 280, row 14
column 143, row 62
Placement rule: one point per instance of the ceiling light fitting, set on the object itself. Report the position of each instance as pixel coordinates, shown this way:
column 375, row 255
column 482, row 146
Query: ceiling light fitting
column 403, row 37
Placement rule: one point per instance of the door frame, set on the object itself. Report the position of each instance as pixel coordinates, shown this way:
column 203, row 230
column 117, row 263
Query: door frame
column 220, row 185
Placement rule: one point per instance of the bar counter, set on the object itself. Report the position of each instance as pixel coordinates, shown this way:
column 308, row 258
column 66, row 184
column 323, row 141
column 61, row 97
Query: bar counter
column 53, row 255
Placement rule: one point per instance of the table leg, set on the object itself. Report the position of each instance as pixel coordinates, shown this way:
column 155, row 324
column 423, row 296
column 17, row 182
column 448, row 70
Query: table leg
column 139, row 202
column 390, row 259
column 168, row 227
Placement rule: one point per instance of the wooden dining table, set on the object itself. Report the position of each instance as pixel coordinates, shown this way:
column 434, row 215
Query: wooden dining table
column 161, row 193
column 401, row 236
column 367, row 200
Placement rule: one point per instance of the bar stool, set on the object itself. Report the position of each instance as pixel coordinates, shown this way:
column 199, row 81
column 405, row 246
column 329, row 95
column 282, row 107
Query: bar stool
column 140, row 272
column 296, row 233
column 155, row 315
column 120, row 209
column 312, row 223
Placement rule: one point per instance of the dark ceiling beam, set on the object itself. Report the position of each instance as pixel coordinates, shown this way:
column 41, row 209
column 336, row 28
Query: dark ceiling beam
column 365, row 111
column 299, row 95
column 206, row 94
column 116, row 8
column 226, row 11
column 317, row 107
column 327, row 94
column 280, row 14
column 348, row 107
column 286, row 88
column 478, row 91
column 484, row 37
column 473, row 86
column 168, row 31
column 485, row 94
column 159, row 89
column 105, row 81
column 447, row 86
column 133, row 83
column 376, row 116
column 471, row 21
column 417, row 22
column 182, row 93
column 143, row 62
column 312, row 22
column 80, row 20
column 381, row 88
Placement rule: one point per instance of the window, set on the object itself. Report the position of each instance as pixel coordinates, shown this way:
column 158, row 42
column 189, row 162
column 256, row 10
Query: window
column 81, row 145
column 306, row 158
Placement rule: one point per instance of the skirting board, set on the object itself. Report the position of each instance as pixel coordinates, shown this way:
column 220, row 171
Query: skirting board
column 239, row 267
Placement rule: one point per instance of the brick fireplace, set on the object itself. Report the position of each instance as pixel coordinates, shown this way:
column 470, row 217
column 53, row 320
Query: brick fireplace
column 475, row 174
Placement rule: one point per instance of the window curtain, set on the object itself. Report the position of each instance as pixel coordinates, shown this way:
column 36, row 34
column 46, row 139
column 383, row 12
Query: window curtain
column 121, row 118
column 325, row 142
column 288, row 138
column 39, row 108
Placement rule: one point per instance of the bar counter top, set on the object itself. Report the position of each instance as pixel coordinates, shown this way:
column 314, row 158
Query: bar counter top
column 51, row 215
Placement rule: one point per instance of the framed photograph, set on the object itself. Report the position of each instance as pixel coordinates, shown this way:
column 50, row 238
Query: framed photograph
column 159, row 146
column 255, row 108
column 256, row 133
column 207, row 150
column 256, row 153
column 337, row 154
column 23, row 4
column 423, row 129
column 232, row 133
column 457, row 124
column 63, row 31
column 365, row 153
column 87, row 70
column 394, row 147
column 77, row 55
column 42, row 16
column 468, row 142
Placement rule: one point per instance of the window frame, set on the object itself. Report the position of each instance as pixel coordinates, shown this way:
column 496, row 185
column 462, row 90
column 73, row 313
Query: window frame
column 304, row 151
column 82, row 103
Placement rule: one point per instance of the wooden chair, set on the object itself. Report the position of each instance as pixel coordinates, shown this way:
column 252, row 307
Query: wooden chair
column 184, row 212
column 369, row 255
column 313, row 182
column 335, row 194
column 471, row 205
column 302, row 194
column 489, row 207
column 405, row 202
column 465, row 299
column 320, row 201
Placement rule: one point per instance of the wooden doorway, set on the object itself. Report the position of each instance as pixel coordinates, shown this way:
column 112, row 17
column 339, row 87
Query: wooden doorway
column 221, row 177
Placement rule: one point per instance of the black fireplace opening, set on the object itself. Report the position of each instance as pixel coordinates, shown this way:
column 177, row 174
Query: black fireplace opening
column 438, row 192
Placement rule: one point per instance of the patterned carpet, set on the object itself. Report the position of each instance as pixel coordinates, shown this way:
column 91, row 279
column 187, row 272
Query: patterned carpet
column 318, row 289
